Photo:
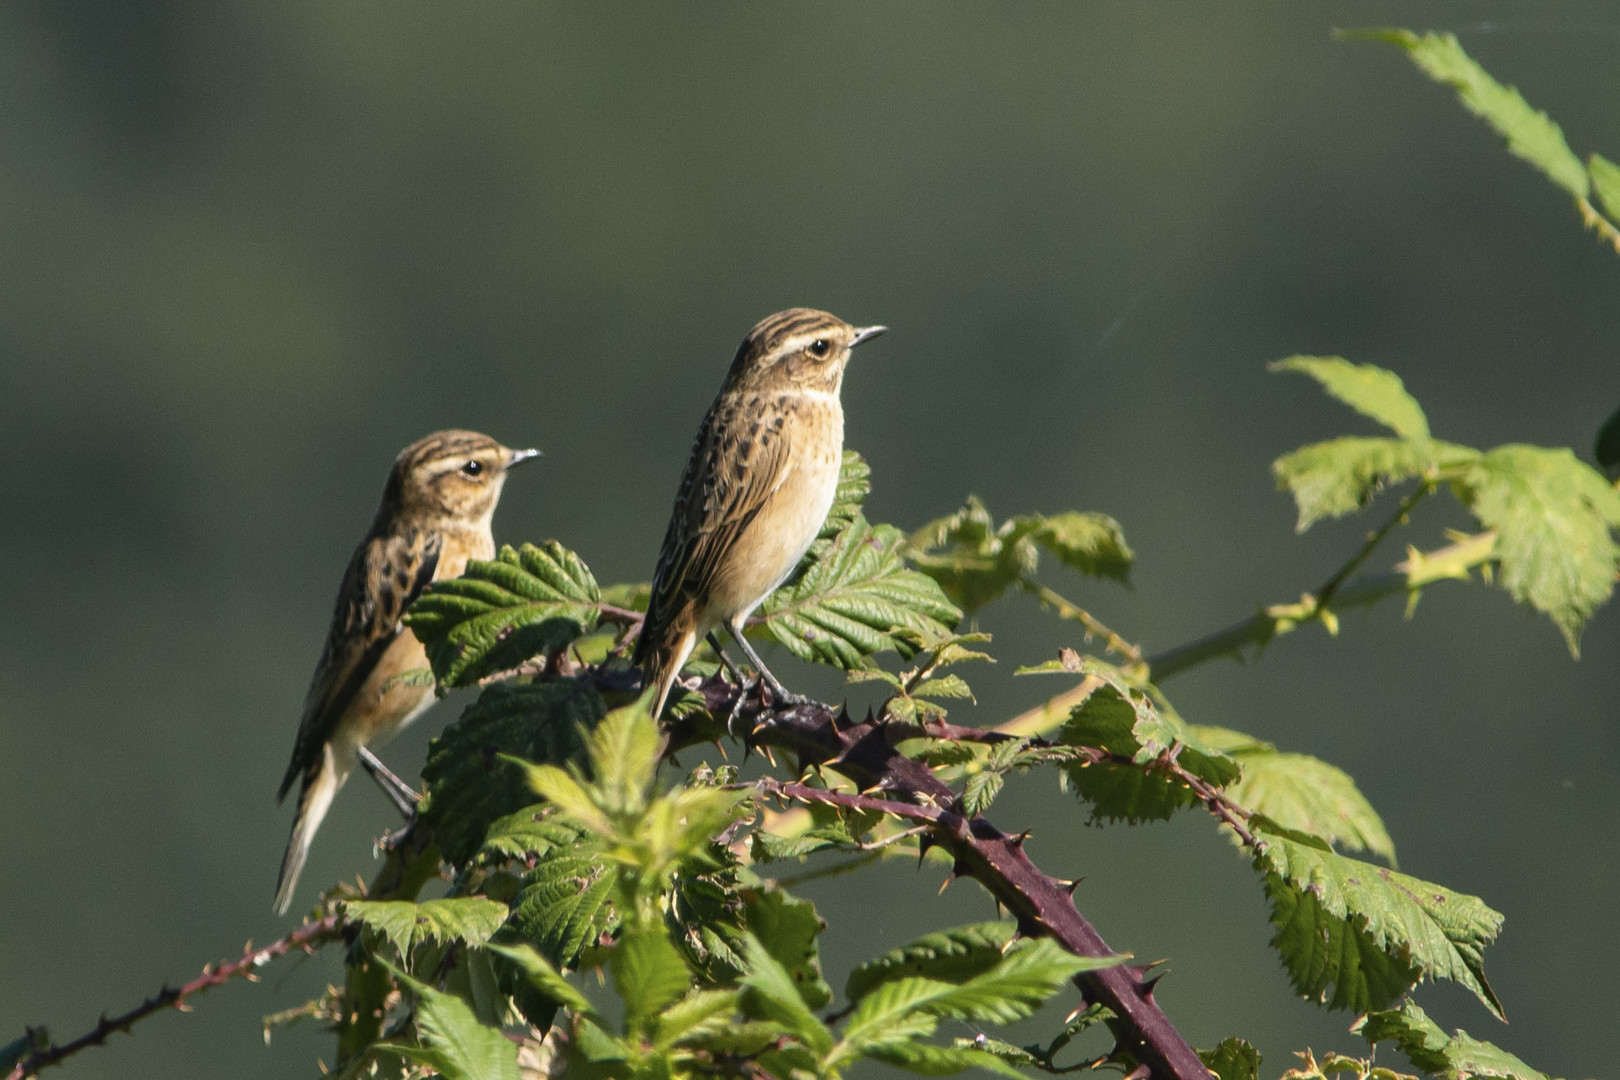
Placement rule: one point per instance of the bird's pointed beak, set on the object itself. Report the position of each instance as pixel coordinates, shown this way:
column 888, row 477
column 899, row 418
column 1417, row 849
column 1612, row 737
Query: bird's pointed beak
column 867, row 334
column 518, row 457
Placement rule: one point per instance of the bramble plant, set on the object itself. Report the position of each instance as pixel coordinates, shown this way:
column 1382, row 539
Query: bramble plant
column 560, row 850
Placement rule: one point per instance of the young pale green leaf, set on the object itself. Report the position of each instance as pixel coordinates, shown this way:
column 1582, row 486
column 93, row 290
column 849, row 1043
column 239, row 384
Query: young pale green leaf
column 573, row 800
column 1338, row 477
column 470, row 919
column 1027, row 975
column 1093, row 544
column 564, row 905
column 451, row 1040
column 769, row 993
column 967, row 556
column 748, row 1039
column 1371, row 391
column 502, row 612
column 974, row 561
column 1302, row 793
column 853, row 601
column 1453, row 1057
column 649, row 974
column 547, row 979
column 930, row 1060
column 952, row 956
column 1127, row 718
column 624, row 756
column 894, row 1013
column 1232, row 1059
column 698, row 1012
column 980, row 791
column 1553, row 516
column 900, row 1011
column 790, row 930
column 1605, row 176
column 1367, row 932
column 470, row 787
column 1530, row 134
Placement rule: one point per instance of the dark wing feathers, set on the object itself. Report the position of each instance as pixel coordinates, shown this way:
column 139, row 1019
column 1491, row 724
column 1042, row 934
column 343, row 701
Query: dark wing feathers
column 370, row 604
column 736, row 463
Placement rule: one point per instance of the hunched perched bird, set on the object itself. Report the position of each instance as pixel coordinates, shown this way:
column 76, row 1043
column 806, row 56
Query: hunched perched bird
column 435, row 515
column 756, row 491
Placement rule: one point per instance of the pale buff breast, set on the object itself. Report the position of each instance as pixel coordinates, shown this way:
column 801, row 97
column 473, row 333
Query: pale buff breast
column 792, row 515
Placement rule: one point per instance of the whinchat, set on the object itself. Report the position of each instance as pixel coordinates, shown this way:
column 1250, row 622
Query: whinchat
column 756, row 491
column 435, row 515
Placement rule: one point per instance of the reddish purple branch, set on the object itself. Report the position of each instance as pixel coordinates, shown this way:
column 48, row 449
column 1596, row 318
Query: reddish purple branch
column 305, row 937
column 865, row 753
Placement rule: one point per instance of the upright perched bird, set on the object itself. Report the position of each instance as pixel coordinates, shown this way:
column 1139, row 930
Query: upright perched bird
column 435, row 515
column 755, row 493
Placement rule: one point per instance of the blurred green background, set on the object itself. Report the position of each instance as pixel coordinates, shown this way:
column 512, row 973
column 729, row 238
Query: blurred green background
column 250, row 250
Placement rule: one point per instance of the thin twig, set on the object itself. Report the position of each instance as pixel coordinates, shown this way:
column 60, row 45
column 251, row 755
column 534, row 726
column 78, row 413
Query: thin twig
column 1094, row 626
column 306, row 937
column 1325, row 594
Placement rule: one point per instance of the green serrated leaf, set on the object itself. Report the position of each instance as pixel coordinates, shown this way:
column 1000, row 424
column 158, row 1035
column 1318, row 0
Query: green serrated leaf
column 1232, row 1059
column 966, row 555
column 1530, row 134
column 699, row 1012
column 1127, row 718
column 632, row 595
column 1553, row 516
column 900, row 1011
column 944, row 686
column 1302, row 793
column 953, row 955
column 770, row 994
column 1338, row 477
column 546, row 979
column 854, row 484
column 1454, row 1057
column 981, row 790
column 451, row 1039
column 1093, row 544
column 499, row 613
column 929, row 1060
column 470, row 787
column 531, row 833
column 790, row 930
column 855, row 599
column 1605, row 177
column 470, row 919
column 1367, row 933
column 974, row 561
column 564, row 906
column 648, row 974
column 1371, row 391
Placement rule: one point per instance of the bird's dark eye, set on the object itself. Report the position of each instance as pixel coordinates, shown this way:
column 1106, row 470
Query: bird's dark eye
column 473, row 468
column 820, row 347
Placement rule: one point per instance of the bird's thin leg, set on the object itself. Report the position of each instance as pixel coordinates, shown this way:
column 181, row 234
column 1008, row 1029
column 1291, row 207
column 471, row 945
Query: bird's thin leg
column 731, row 668
column 778, row 691
column 401, row 794
column 744, row 683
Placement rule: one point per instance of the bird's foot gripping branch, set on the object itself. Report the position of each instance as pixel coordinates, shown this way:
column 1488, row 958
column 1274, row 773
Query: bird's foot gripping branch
column 555, row 849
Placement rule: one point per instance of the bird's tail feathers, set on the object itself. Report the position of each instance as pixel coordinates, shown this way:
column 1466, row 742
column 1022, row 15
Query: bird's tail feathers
column 662, row 657
column 313, row 802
